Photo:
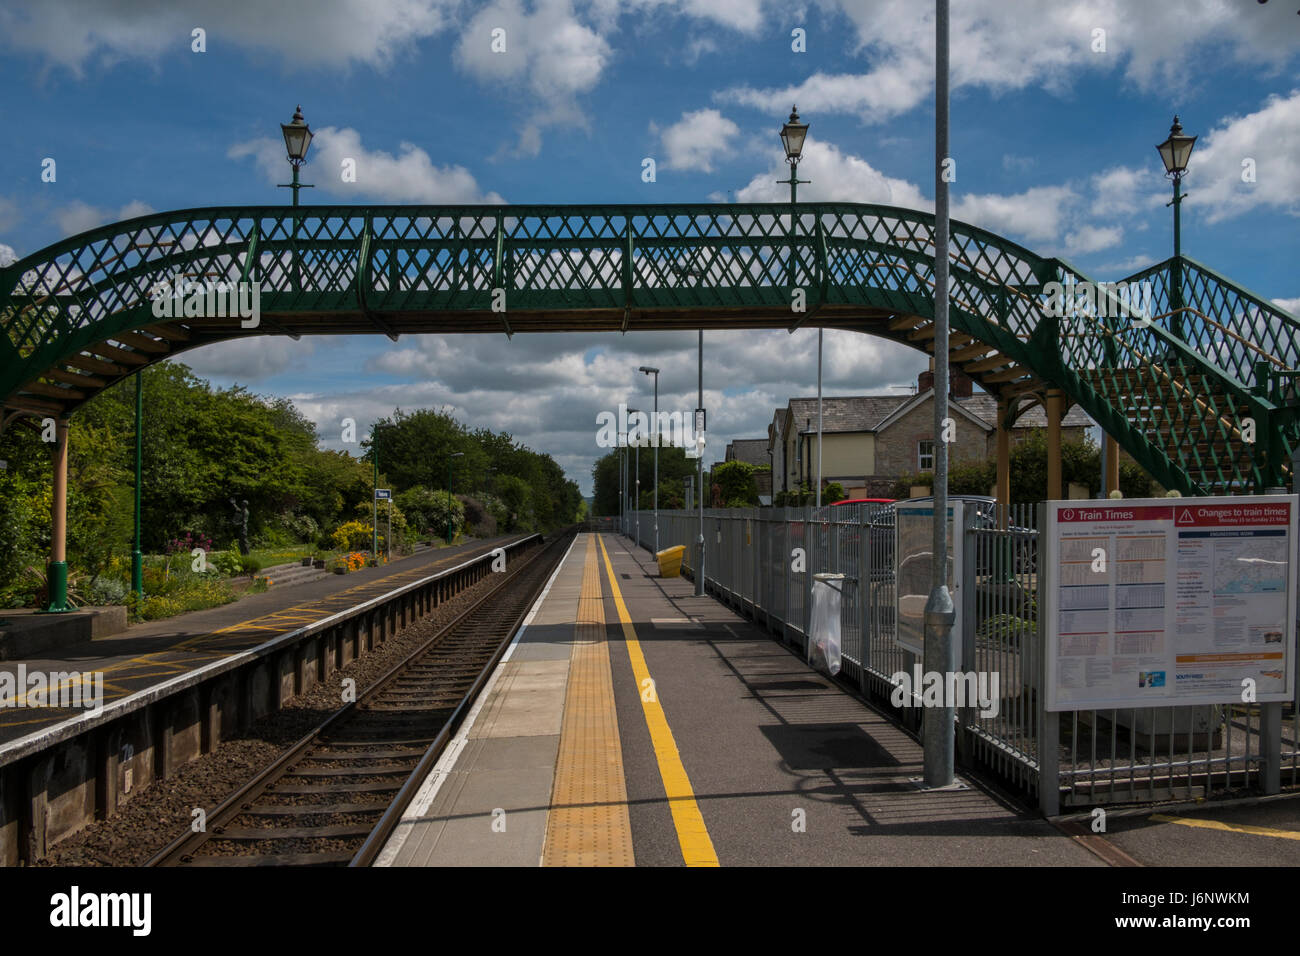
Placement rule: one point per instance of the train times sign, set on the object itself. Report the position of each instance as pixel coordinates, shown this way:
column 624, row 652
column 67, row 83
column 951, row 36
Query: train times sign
column 1165, row 601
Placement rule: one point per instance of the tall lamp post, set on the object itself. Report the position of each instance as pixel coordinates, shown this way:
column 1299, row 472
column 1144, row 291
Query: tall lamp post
column 938, row 651
column 634, row 484
column 793, row 134
column 297, row 140
column 655, row 372
column 374, row 491
column 459, row 454
column 137, row 556
column 699, row 471
column 1174, row 153
column 622, row 481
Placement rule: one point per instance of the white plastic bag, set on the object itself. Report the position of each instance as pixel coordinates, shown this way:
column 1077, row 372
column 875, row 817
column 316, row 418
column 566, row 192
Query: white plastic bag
column 824, row 639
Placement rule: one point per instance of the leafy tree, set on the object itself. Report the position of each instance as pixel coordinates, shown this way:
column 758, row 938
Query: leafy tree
column 735, row 483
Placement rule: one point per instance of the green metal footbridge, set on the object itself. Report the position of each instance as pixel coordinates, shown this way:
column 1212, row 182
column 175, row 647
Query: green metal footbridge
column 1197, row 380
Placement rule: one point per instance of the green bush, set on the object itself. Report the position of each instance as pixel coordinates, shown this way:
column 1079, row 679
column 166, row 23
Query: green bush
column 902, row 488
column 104, row 591
column 228, row 563
column 249, row 564
column 157, row 606
column 736, row 487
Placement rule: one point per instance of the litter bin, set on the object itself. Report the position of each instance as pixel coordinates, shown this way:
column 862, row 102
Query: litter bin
column 824, row 623
column 670, row 561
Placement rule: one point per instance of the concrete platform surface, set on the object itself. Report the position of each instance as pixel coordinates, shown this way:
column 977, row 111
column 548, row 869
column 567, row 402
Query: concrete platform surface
column 730, row 750
column 147, row 654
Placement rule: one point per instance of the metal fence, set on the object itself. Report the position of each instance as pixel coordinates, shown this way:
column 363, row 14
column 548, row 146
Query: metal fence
column 761, row 561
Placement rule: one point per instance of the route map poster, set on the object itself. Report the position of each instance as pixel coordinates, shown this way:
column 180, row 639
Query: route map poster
column 1159, row 601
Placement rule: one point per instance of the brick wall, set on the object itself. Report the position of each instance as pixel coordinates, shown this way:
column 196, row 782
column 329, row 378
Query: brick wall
column 896, row 446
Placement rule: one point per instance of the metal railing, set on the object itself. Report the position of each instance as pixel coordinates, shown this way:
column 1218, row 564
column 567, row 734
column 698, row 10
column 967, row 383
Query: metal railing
column 761, row 561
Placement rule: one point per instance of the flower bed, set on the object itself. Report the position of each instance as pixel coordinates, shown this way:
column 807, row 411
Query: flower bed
column 352, row 561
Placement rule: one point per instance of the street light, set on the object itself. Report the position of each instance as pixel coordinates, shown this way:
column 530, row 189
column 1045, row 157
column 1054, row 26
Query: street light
column 793, row 134
column 459, row 454
column 297, row 140
column 1174, row 153
column 634, row 486
column 655, row 372
column 137, row 556
column 374, row 491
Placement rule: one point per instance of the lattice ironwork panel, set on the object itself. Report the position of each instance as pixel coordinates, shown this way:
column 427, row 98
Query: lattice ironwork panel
column 1175, row 377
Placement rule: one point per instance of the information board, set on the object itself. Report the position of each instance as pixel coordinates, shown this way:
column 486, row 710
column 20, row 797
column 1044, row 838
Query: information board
column 1158, row 601
column 913, row 547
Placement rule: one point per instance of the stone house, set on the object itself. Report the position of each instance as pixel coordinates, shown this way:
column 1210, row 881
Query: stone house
column 870, row 441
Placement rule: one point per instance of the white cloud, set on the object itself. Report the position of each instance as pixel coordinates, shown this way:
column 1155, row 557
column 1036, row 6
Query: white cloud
column 78, row 216
column 251, row 359
column 546, row 390
column 1006, row 45
column 410, row 176
column 306, row 32
column 1037, row 213
column 7, row 255
column 1291, row 305
column 695, row 140
column 1088, row 239
column 1126, row 267
column 835, row 176
column 1126, row 190
column 742, row 16
column 548, row 52
column 1271, row 138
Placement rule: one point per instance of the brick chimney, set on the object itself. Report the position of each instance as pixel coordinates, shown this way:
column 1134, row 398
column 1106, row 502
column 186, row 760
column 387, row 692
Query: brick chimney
column 959, row 384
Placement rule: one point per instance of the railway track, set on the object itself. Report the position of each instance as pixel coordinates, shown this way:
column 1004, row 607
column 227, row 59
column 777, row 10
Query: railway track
column 334, row 797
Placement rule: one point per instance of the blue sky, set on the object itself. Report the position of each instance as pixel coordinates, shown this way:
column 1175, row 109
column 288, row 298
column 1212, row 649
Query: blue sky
column 1053, row 140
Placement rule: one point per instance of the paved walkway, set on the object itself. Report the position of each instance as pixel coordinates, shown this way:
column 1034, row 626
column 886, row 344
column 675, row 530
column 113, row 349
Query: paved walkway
column 635, row 723
column 155, row 651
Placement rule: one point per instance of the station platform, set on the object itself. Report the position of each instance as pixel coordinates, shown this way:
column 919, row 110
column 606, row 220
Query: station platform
column 632, row 723
column 154, row 652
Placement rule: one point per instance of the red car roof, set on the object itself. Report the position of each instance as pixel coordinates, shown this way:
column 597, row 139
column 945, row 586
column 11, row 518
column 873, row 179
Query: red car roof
column 866, row 501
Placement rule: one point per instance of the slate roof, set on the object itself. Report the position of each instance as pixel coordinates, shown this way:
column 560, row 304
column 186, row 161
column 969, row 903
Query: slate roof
column 864, row 413
column 860, row 413
column 752, row 450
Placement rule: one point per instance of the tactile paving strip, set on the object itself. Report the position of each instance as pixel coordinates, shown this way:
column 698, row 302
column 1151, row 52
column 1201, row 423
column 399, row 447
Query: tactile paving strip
column 589, row 824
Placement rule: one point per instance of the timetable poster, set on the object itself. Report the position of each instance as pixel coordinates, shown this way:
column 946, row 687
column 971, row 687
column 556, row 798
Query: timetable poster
column 1160, row 601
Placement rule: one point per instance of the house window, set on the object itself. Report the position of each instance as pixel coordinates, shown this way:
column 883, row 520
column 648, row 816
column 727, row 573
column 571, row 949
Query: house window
column 925, row 455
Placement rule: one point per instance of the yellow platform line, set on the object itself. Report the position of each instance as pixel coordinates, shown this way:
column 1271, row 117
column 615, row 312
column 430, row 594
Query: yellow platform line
column 589, row 824
column 272, row 623
column 1229, row 827
column 692, row 834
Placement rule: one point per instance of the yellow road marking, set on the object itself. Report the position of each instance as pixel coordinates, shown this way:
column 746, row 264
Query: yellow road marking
column 589, row 823
column 1229, row 827
column 305, row 614
column 692, row 834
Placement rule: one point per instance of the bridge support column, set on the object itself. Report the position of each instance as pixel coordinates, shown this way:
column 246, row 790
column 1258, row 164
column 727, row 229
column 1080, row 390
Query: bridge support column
column 57, row 576
column 1110, row 480
column 1004, row 453
column 1055, row 401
